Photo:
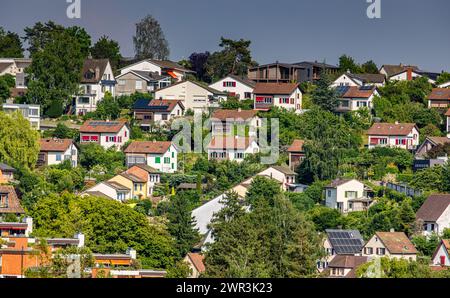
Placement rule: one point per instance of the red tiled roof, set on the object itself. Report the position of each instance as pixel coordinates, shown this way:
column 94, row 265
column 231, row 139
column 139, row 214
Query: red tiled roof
column 234, row 114
column 433, row 207
column 230, row 143
column 95, row 126
column 148, row 147
column 357, row 92
column 347, row 261
column 448, row 113
column 197, row 261
column 170, row 104
column 297, row 146
column 55, row 145
column 275, row 88
column 389, row 129
column 439, row 94
column 396, row 242
column 13, row 203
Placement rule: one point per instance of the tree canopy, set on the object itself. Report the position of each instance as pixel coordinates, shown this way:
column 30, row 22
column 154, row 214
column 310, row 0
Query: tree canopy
column 150, row 41
column 10, row 45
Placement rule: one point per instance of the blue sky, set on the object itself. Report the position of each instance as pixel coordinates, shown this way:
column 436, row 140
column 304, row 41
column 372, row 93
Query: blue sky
column 410, row 31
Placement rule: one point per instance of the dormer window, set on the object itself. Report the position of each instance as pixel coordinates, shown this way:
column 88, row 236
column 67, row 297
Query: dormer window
column 89, row 74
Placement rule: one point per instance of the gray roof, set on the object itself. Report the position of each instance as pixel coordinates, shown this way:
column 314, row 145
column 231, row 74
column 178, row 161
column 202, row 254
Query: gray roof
column 345, row 242
column 284, row 170
column 147, row 75
column 5, row 167
column 368, row 77
column 243, row 80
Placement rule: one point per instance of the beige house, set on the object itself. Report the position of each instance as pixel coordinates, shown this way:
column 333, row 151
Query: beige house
column 390, row 244
column 140, row 81
column 195, row 263
column 347, row 195
column 344, row 266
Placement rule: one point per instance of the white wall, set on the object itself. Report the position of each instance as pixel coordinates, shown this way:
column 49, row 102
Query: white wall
column 444, row 221
column 240, row 88
column 296, row 95
column 164, row 168
column 52, row 156
column 441, row 252
column 410, row 140
column 124, row 133
column 375, row 243
column 345, row 80
column 142, row 66
column 337, row 195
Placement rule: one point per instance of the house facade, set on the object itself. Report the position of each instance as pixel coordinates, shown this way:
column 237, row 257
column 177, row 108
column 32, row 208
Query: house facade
column 56, row 151
column 353, row 98
column 344, row 266
column 162, row 156
column 134, row 81
column 195, row 261
column 30, row 112
column 347, row 195
column 157, row 111
column 235, row 122
column 16, row 68
column 239, row 87
column 234, row 148
column 447, row 115
column 193, row 95
column 429, row 144
column 163, row 68
column 441, row 256
column 6, row 173
column 282, row 174
column 434, row 215
column 9, row 202
column 283, row 95
column 107, row 134
column 97, row 79
column 296, row 154
column 390, row 244
column 398, row 135
column 439, row 98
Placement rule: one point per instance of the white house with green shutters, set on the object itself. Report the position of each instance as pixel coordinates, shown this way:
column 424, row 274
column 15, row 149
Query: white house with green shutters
column 162, row 156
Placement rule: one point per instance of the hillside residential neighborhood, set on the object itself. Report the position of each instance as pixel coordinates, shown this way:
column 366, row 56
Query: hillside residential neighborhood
column 217, row 165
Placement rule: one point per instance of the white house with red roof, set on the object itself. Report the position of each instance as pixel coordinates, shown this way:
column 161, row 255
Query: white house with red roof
column 229, row 122
column 233, row 148
column 398, row 135
column 353, row 98
column 157, row 111
column 441, row 256
column 283, row 95
column 162, row 156
column 107, row 134
column 56, row 151
column 390, row 244
column 239, row 87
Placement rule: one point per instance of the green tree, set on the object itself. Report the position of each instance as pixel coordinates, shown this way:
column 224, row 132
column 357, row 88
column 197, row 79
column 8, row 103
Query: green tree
column 55, row 73
column 149, row 41
column 10, row 45
column 262, row 189
column 394, row 268
column 429, row 179
column 324, row 217
column 38, row 36
column 324, row 96
column 19, row 143
column 108, row 108
column 62, row 131
column 235, row 58
column 370, row 67
column 106, row 48
column 347, row 63
column 443, row 78
column 181, row 224
column 426, row 245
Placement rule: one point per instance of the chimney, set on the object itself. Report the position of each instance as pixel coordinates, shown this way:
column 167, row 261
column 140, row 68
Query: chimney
column 396, row 123
column 81, row 237
column 97, row 73
column 239, row 110
column 29, row 221
column 392, row 230
column 132, row 253
column 409, row 74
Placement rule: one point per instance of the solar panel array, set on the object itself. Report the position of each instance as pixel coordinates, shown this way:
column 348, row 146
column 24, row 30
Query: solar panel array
column 103, row 123
column 345, row 242
column 366, row 88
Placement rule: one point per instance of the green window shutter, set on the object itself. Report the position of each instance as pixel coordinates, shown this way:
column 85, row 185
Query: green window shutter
column 173, row 154
column 173, row 166
column 158, row 160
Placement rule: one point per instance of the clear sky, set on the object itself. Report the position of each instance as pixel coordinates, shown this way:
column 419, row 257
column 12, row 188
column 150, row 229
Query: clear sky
column 409, row 31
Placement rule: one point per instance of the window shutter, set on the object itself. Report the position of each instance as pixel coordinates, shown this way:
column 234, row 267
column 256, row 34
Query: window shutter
column 106, row 139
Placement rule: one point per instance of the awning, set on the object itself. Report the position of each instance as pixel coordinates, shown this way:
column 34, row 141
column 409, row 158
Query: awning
column 172, row 74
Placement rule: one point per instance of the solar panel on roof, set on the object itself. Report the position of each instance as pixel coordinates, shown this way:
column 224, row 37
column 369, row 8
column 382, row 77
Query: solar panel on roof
column 366, row 88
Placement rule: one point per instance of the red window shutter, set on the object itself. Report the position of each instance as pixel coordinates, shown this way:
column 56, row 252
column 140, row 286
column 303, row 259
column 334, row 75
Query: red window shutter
column 442, row 260
column 281, row 100
column 234, row 84
column 85, row 138
column 106, row 139
column 224, row 84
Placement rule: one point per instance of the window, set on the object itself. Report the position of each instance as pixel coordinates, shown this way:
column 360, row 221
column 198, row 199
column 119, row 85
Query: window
column 3, row 200
column 381, row 251
column 167, row 160
column 329, row 193
column 284, row 100
column 229, row 84
column 58, row 157
column 122, row 82
column 138, row 85
column 368, row 251
column 361, row 104
column 173, row 166
column 165, row 116
column 247, row 95
column 442, row 259
column 345, row 103
column 239, row 155
column 351, row 194
column 158, row 160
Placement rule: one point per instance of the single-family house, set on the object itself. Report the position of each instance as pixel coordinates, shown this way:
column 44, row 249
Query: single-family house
column 195, row 261
column 345, row 266
column 398, row 135
column 110, row 190
column 439, row 98
column 390, row 244
column 296, row 154
column 312, row 70
column 441, row 256
column 57, row 151
column 16, row 67
column 236, row 86
column 235, row 122
column 407, row 73
column 347, row 195
column 157, row 111
column 359, row 80
column 163, row 68
column 283, row 95
column 277, row 73
column 162, row 156
column 9, row 202
column 353, row 98
column 430, row 143
column 447, row 115
column 340, row 243
column 107, row 134
column 6, row 173
column 282, row 174
column 30, row 112
column 445, row 85
column 97, row 78
column 194, row 95
column 233, row 148
column 134, row 81
column 434, row 214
